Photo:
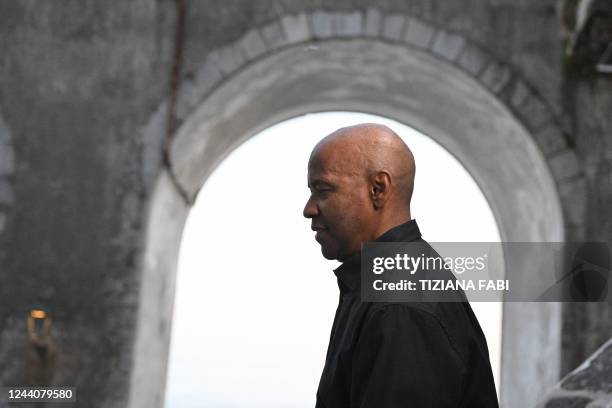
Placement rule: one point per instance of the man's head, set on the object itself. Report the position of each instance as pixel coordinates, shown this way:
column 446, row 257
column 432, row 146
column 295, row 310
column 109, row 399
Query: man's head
column 361, row 180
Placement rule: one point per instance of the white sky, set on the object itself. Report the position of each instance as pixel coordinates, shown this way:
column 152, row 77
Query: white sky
column 255, row 299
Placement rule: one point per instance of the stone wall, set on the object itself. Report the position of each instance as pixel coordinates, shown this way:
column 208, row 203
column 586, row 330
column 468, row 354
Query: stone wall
column 79, row 152
column 77, row 80
column 588, row 386
column 587, row 105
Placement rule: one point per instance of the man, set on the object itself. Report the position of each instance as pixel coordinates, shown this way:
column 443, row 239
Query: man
column 386, row 355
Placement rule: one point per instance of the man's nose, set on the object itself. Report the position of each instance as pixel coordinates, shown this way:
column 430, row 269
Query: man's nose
column 310, row 210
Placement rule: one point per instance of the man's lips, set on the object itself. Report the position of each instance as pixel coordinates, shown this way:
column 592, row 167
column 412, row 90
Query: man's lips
column 319, row 230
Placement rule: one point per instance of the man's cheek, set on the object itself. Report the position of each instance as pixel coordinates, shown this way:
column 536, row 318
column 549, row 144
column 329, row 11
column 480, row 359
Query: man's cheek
column 342, row 233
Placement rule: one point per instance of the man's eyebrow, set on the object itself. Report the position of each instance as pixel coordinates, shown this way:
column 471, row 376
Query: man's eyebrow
column 319, row 181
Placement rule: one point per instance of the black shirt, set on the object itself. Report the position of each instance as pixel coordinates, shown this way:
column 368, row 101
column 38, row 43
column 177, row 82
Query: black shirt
column 391, row 355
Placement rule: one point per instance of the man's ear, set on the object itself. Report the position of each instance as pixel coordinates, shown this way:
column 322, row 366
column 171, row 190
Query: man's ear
column 380, row 187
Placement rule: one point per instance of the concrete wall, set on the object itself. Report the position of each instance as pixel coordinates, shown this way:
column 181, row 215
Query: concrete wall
column 7, row 167
column 83, row 93
column 77, row 81
column 588, row 386
column 587, row 106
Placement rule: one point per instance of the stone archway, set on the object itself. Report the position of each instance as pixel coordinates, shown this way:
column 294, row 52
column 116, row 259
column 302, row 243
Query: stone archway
column 393, row 66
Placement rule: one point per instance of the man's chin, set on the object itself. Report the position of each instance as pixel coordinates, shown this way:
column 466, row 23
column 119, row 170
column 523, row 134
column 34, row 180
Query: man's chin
column 328, row 253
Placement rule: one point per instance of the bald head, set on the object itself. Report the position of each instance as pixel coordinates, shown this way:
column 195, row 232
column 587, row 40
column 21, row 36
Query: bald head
column 361, row 180
column 367, row 149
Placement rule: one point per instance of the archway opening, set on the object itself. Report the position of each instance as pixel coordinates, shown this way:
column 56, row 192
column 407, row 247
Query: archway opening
column 255, row 299
column 402, row 82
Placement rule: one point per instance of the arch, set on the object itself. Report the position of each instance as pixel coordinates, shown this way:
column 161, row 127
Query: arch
column 395, row 66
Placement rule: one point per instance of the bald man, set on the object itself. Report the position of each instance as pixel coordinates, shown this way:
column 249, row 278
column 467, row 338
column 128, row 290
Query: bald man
column 386, row 355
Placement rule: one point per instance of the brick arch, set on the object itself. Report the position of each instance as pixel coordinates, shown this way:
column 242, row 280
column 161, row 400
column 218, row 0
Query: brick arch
column 226, row 71
column 500, row 78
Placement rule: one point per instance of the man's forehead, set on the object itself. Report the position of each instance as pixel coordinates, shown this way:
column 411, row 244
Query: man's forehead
column 332, row 167
column 324, row 161
column 318, row 171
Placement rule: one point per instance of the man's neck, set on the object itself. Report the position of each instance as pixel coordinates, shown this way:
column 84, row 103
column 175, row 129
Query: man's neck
column 391, row 222
column 384, row 226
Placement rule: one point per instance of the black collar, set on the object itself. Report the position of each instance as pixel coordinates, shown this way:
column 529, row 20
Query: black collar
column 349, row 273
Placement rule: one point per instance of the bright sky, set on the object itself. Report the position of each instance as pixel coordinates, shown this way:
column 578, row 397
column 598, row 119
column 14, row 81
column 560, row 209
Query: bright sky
column 255, row 299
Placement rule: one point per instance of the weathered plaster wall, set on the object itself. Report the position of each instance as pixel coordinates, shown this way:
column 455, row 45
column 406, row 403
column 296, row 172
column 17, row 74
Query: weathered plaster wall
column 588, row 386
column 83, row 87
column 77, row 80
column 588, row 325
column 588, row 107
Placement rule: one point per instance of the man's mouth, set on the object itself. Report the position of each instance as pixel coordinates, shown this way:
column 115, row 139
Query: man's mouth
column 319, row 231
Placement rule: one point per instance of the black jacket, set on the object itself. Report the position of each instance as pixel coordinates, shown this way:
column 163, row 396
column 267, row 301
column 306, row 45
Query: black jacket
column 392, row 355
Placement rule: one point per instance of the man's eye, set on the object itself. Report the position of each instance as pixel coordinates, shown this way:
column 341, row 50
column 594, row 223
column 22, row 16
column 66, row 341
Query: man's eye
column 320, row 189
